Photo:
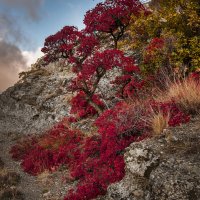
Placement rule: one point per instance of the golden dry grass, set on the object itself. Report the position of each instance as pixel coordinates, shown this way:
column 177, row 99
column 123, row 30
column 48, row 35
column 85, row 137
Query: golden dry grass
column 185, row 93
column 44, row 177
column 158, row 122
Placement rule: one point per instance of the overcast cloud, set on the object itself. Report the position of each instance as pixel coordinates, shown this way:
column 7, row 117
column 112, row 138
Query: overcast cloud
column 31, row 7
column 12, row 59
column 11, row 63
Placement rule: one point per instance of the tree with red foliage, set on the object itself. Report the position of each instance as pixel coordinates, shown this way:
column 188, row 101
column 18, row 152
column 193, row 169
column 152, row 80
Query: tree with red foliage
column 83, row 107
column 77, row 48
column 112, row 16
column 93, row 69
column 70, row 44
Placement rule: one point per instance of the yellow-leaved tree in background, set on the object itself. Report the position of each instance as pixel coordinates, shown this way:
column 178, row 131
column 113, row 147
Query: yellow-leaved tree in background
column 168, row 38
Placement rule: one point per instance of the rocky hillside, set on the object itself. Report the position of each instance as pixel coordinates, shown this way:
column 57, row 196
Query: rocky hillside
column 31, row 106
column 40, row 98
column 128, row 86
column 160, row 168
column 37, row 101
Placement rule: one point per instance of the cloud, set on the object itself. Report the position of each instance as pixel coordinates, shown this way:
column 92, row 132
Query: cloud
column 32, row 56
column 11, row 63
column 31, row 7
column 9, row 30
column 12, row 59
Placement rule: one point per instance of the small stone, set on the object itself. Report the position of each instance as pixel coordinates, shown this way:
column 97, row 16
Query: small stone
column 138, row 193
column 46, row 194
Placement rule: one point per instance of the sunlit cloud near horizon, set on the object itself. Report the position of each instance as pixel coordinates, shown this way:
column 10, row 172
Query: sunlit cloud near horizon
column 24, row 25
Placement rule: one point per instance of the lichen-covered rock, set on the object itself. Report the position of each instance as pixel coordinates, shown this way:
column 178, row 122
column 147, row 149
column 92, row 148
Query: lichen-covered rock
column 159, row 169
column 36, row 102
column 141, row 161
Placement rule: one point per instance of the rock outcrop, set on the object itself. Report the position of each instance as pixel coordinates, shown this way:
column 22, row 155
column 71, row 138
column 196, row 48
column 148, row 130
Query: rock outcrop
column 163, row 168
column 40, row 98
column 36, row 102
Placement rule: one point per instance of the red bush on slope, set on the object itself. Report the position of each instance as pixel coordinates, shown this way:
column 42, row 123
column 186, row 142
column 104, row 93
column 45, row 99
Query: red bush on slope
column 93, row 70
column 58, row 146
column 95, row 161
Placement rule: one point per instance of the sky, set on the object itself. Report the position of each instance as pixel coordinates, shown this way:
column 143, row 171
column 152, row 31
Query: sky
column 24, row 25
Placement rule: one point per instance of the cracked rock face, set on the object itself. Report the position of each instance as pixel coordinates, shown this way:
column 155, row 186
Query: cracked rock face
column 157, row 169
column 141, row 161
column 41, row 99
column 36, row 102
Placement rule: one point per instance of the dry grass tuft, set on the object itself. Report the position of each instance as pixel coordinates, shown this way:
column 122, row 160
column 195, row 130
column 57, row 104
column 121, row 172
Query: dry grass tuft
column 158, row 122
column 44, row 177
column 185, row 93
